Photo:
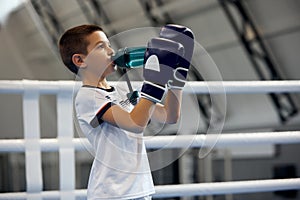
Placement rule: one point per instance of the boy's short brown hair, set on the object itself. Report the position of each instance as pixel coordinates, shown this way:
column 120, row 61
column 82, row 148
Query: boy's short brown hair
column 74, row 41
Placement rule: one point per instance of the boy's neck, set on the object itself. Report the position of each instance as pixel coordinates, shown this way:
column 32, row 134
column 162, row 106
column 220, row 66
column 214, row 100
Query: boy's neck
column 101, row 83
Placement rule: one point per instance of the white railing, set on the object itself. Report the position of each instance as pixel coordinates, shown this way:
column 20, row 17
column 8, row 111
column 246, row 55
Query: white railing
column 213, row 87
column 66, row 145
column 181, row 190
column 167, row 142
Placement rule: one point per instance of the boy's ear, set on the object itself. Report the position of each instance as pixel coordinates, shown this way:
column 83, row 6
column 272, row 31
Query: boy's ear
column 78, row 60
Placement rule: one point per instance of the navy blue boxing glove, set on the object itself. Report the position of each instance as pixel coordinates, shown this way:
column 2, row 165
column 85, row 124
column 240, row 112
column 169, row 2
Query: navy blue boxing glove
column 184, row 36
column 162, row 56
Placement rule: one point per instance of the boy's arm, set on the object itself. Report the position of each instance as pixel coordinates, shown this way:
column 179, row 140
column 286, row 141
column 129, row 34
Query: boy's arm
column 168, row 113
column 134, row 121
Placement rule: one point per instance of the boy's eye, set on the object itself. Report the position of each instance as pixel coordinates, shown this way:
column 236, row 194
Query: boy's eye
column 100, row 46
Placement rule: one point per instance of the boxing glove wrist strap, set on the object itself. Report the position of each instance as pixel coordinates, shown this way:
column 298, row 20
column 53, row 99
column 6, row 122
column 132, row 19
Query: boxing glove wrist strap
column 153, row 92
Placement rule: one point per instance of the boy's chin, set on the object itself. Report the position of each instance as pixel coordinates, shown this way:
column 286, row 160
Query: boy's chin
column 111, row 69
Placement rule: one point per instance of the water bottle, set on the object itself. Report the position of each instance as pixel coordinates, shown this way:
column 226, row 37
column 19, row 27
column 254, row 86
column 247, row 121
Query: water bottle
column 129, row 57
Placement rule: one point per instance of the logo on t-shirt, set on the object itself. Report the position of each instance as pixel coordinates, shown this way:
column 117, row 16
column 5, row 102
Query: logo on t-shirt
column 107, row 97
column 125, row 103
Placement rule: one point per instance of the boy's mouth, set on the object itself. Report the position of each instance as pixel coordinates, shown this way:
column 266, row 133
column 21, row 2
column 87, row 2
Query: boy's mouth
column 112, row 63
column 112, row 60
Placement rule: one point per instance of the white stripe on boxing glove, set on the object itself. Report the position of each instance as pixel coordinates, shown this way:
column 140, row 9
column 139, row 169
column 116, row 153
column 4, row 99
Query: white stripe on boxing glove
column 152, row 63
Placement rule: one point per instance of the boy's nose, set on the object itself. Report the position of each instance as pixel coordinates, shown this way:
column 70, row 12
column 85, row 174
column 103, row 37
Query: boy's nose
column 111, row 51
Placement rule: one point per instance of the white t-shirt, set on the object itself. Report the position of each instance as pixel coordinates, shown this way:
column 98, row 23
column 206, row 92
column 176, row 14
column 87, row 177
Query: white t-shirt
column 120, row 168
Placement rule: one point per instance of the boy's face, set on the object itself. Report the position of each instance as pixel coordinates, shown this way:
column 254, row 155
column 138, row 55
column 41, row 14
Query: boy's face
column 98, row 61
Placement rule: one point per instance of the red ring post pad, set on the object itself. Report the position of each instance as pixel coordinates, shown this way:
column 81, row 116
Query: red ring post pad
column 129, row 57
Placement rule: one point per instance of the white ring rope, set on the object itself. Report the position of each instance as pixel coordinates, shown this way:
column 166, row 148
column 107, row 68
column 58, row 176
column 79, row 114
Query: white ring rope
column 196, row 189
column 179, row 141
column 212, row 87
column 233, row 187
column 66, row 144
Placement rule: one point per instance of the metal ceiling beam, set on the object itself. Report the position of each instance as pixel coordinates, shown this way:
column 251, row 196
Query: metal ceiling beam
column 95, row 14
column 258, row 54
column 49, row 20
column 156, row 11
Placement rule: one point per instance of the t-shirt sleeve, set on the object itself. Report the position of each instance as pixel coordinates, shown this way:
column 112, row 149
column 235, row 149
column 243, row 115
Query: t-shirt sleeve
column 91, row 106
column 97, row 119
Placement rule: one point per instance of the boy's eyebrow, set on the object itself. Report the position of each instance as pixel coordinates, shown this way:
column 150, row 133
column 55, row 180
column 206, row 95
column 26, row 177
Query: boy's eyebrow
column 100, row 41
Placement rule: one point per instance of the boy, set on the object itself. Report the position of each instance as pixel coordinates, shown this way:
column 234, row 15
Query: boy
column 120, row 168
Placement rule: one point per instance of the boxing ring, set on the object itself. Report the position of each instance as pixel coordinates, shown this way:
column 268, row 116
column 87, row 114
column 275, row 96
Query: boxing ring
column 66, row 144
